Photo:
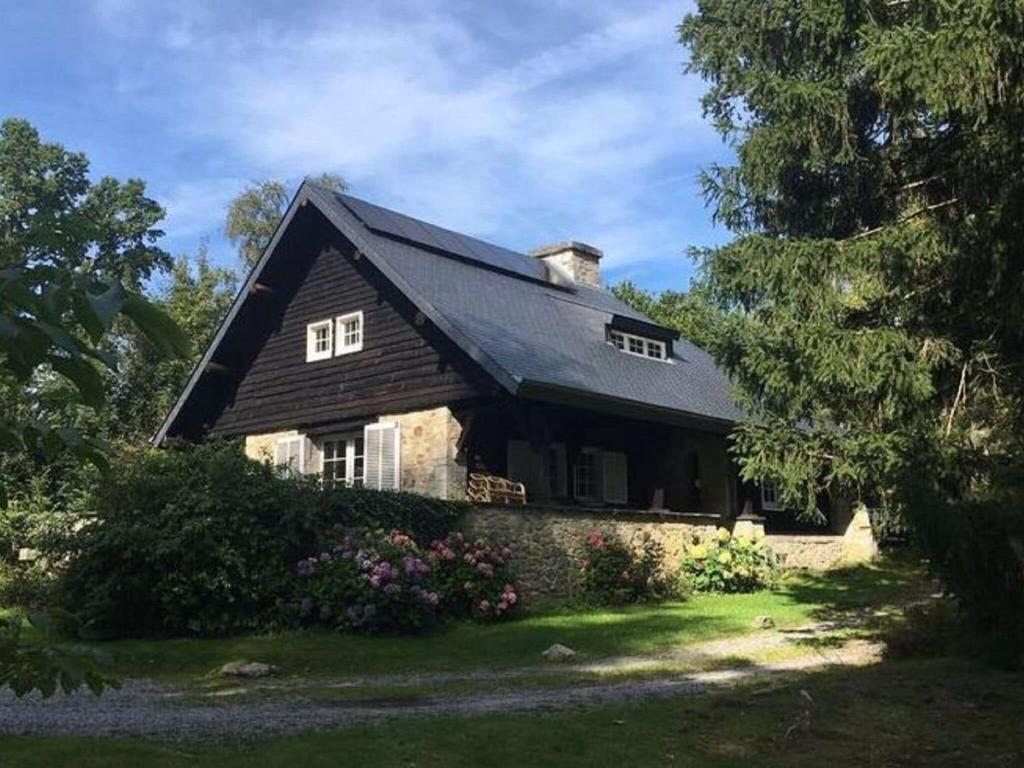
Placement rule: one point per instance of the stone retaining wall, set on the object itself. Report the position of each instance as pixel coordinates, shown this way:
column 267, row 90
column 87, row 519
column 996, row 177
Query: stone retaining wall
column 817, row 552
column 546, row 539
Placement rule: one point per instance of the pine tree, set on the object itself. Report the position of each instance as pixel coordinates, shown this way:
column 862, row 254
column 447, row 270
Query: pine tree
column 875, row 287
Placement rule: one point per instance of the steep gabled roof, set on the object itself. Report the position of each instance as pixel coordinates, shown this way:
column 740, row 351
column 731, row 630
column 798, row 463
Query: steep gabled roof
column 535, row 337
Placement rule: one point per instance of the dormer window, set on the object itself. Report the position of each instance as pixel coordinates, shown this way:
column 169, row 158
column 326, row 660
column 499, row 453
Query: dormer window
column 319, row 341
column 638, row 345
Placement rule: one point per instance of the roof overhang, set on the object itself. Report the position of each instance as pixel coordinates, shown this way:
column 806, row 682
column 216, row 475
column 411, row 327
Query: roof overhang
column 577, row 398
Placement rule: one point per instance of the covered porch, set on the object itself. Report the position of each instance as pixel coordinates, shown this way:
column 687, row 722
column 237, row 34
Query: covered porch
column 569, row 456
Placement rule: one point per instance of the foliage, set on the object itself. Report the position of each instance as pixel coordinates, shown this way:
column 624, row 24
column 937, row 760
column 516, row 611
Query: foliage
column 73, row 256
column 196, row 298
column 24, row 584
column 875, row 284
column 727, row 563
column 371, row 582
column 253, row 215
column 51, row 215
column 27, row 667
column 425, row 518
column 876, row 197
column 474, row 578
column 976, row 540
column 614, row 572
column 202, row 541
column 376, row 582
column 197, row 541
column 692, row 313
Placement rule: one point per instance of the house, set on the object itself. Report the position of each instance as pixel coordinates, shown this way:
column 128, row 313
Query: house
column 373, row 348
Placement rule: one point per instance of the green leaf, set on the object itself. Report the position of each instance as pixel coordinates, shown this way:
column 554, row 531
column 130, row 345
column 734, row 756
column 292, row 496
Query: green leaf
column 84, row 376
column 105, row 306
column 157, row 325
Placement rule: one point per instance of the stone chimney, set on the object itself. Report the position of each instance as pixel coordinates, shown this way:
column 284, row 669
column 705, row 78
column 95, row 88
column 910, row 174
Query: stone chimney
column 579, row 260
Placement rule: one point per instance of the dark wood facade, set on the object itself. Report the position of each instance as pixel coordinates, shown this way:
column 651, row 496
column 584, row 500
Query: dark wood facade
column 260, row 380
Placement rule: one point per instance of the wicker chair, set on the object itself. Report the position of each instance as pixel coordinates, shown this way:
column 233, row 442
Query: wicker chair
column 491, row 489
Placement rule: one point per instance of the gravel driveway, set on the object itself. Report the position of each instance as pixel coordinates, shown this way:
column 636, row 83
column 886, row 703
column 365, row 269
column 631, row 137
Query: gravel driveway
column 145, row 709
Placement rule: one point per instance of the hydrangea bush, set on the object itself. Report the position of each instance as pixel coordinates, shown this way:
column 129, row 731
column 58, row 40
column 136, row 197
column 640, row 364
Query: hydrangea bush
column 475, row 578
column 613, row 571
column 385, row 582
column 727, row 563
column 374, row 582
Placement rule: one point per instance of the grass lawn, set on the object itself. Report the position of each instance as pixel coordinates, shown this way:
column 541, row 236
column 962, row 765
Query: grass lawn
column 936, row 712
column 593, row 634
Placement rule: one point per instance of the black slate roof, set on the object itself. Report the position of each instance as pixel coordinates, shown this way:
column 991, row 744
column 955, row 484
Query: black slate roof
column 541, row 337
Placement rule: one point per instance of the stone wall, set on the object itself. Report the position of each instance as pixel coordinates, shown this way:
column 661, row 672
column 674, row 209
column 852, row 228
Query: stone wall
column 816, row 552
column 261, row 447
column 429, row 443
column 545, row 540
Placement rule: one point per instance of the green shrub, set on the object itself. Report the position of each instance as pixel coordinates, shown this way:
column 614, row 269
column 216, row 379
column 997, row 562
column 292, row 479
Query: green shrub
column 727, row 563
column 203, row 541
column 474, row 578
column 422, row 517
column 24, row 584
column 973, row 534
column 613, row 572
column 370, row 582
column 385, row 582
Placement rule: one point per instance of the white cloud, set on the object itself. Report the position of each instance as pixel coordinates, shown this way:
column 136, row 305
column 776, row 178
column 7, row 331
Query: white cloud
column 521, row 135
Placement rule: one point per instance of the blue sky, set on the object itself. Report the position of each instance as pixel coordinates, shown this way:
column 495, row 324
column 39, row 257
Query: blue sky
column 521, row 122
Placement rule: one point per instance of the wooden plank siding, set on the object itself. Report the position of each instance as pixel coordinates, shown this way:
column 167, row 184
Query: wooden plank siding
column 402, row 366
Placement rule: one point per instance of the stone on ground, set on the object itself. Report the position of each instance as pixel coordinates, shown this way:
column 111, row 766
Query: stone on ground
column 764, row 622
column 558, row 653
column 247, row 669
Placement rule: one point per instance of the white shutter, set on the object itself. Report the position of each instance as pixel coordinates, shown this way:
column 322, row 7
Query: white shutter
column 616, row 490
column 281, row 453
column 382, row 464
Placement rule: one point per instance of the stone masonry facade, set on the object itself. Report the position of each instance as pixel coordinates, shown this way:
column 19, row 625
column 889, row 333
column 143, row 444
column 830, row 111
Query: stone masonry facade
column 429, row 442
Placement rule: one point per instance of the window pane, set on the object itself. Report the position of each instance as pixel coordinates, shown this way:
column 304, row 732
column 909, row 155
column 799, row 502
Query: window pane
column 358, row 461
column 654, row 349
column 619, row 340
column 586, row 475
column 351, row 332
column 335, row 463
column 636, row 346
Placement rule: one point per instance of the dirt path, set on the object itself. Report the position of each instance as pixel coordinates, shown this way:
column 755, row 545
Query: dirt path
column 146, row 709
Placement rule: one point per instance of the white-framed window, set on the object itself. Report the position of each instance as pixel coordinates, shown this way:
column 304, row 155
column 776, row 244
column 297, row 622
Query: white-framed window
column 290, row 454
column 319, row 340
column 383, row 459
column 349, row 333
column 770, row 498
column 638, row 345
column 586, row 475
column 343, row 460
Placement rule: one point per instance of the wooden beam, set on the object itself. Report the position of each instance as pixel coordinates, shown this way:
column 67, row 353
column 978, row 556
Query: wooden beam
column 262, row 289
column 212, row 367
